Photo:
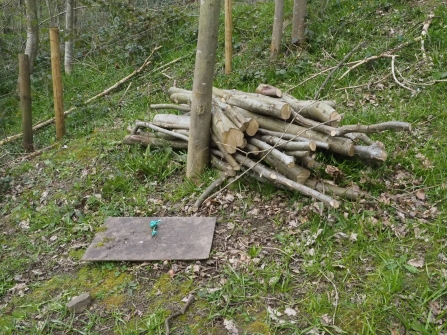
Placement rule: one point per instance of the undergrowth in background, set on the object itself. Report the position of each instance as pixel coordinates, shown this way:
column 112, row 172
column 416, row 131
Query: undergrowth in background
column 280, row 263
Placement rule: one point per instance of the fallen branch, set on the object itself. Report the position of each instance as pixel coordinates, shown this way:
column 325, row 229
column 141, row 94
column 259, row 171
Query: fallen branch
column 205, row 194
column 161, row 130
column 397, row 81
column 182, row 108
column 373, row 128
column 103, row 93
column 29, row 156
column 278, row 178
column 183, row 311
column 337, row 67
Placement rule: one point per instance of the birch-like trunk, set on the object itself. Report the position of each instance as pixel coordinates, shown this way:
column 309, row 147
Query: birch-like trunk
column 69, row 32
column 277, row 28
column 32, row 32
column 199, row 138
column 298, row 24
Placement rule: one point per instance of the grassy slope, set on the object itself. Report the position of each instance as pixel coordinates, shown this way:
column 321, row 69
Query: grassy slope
column 363, row 278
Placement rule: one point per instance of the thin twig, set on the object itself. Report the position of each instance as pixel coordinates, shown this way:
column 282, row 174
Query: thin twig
column 337, row 67
column 395, row 79
column 120, row 100
column 183, row 311
column 336, row 296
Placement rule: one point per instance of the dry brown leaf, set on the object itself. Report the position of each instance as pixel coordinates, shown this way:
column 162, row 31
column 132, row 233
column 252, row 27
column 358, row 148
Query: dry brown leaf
column 416, row 262
column 420, row 194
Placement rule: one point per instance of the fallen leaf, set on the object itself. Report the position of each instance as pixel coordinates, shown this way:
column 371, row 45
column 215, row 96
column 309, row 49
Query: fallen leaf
column 290, row 311
column 416, row 262
column 420, row 194
column 231, row 327
column 326, row 319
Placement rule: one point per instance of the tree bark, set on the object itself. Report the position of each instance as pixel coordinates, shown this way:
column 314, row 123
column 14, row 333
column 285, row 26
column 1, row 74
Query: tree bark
column 228, row 35
column 288, row 161
column 69, row 32
column 373, row 128
column 32, row 32
column 198, row 145
column 172, row 121
column 299, row 22
column 277, row 28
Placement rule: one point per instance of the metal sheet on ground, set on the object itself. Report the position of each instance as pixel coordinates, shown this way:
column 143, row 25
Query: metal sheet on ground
column 130, row 239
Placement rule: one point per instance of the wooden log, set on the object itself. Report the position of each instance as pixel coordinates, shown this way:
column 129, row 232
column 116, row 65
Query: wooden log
column 252, row 126
column 269, row 90
column 222, row 166
column 315, row 110
column 339, row 145
column 288, row 145
column 295, row 173
column 226, row 132
column 239, row 121
column 251, row 149
column 172, row 121
column 311, row 124
column 156, row 134
column 208, row 191
column 355, row 137
column 154, row 142
column 278, row 108
column 278, row 178
column 298, row 153
column 286, row 136
column 181, row 108
column 375, row 151
column 230, row 159
column 181, row 98
column 308, row 162
column 373, row 128
column 140, row 124
column 269, row 150
column 327, row 188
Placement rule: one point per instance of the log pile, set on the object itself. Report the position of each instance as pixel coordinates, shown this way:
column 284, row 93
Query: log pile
column 268, row 134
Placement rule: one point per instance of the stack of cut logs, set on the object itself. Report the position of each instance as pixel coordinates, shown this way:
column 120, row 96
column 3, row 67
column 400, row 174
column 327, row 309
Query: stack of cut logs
column 250, row 129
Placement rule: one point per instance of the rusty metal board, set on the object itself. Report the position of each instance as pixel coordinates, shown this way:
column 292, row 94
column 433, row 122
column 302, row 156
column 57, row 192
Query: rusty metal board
column 130, row 239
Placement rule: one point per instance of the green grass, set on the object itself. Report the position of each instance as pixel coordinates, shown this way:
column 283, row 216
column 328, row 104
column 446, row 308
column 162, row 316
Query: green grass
column 345, row 271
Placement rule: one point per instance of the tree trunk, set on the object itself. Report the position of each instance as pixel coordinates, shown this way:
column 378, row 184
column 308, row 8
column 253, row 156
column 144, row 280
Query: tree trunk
column 32, row 32
column 69, row 18
column 198, row 145
column 299, row 20
column 277, row 28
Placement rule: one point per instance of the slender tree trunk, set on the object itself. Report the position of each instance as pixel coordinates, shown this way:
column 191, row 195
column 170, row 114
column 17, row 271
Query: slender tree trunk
column 299, row 22
column 32, row 32
column 277, row 28
column 199, row 138
column 69, row 32
column 50, row 12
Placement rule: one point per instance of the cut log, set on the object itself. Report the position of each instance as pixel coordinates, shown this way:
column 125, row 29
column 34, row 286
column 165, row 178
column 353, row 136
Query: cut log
column 269, row 90
column 278, row 108
column 295, row 173
column 298, row 153
column 172, row 121
column 251, row 149
column 285, row 136
column 355, row 137
column 278, row 178
column 339, row 145
column 181, row 98
column 154, row 142
column 239, row 121
column 308, row 162
column 288, row 145
column 268, row 150
column 230, row 159
column 222, row 166
column 327, row 188
column 311, row 124
column 161, row 130
column 225, row 130
column 315, row 110
column 375, row 151
column 373, row 128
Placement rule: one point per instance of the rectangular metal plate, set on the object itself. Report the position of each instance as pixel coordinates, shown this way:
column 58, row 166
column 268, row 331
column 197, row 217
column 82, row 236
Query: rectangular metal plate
column 130, row 239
